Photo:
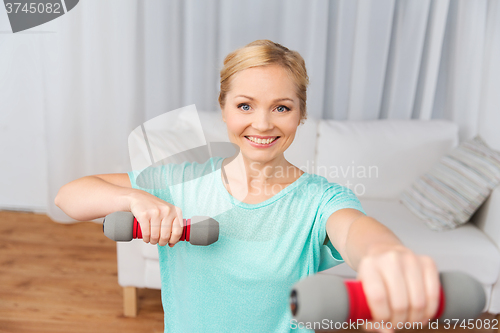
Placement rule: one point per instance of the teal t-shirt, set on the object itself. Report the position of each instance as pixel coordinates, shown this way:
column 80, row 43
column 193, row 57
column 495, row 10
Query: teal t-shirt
column 242, row 282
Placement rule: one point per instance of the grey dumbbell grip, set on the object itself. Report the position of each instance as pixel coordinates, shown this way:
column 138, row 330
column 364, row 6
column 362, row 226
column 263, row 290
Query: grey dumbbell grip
column 204, row 230
column 320, row 297
column 118, row 226
column 464, row 296
column 323, row 296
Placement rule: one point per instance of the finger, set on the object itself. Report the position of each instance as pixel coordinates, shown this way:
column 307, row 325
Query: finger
column 176, row 232
column 415, row 288
column 375, row 290
column 432, row 286
column 375, row 326
column 368, row 326
column 177, row 228
column 394, row 280
column 166, row 229
column 144, row 224
column 155, row 228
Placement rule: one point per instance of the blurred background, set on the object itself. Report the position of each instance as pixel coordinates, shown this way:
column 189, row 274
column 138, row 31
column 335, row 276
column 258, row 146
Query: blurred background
column 73, row 89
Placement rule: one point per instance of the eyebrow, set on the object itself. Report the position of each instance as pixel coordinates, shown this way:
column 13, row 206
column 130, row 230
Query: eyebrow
column 276, row 100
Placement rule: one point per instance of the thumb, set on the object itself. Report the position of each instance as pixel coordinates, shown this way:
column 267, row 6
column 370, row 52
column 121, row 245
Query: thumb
column 179, row 219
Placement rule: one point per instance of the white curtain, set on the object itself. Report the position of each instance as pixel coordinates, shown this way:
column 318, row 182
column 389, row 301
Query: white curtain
column 114, row 64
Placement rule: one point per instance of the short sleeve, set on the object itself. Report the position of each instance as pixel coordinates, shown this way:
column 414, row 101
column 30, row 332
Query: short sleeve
column 154, row 180
column 163, row 180
column 334, row 198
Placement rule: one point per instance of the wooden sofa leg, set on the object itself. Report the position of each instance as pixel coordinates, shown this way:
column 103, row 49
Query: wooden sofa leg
column 130, row 301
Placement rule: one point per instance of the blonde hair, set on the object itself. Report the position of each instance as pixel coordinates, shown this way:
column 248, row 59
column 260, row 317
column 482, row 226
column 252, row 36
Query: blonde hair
column 262, row 53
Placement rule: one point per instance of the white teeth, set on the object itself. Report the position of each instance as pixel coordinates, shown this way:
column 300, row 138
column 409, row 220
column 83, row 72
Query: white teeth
column 261, row 141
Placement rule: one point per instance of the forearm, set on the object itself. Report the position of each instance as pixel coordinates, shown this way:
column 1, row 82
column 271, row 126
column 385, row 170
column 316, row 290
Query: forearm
column 90, row 197
column 368, row 236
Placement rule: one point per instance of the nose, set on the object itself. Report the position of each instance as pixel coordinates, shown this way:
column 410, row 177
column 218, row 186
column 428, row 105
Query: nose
column 262, row 121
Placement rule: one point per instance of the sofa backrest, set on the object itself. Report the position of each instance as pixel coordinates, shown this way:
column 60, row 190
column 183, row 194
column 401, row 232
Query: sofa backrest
column 380, row 158
column 375, row 158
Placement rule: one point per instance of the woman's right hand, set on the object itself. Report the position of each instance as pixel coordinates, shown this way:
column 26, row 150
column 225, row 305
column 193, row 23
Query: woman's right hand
column 92, row 197
column 161, row 222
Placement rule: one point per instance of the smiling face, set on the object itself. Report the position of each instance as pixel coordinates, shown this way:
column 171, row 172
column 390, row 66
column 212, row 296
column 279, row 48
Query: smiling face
column 262, row 106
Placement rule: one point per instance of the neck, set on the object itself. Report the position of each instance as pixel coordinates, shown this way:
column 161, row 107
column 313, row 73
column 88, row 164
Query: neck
column 259, row 173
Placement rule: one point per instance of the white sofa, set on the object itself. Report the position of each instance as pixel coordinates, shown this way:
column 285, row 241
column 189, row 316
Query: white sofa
column 377, row 160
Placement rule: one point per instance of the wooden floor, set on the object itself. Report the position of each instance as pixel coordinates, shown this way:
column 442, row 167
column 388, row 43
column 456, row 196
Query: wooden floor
column 63, row 278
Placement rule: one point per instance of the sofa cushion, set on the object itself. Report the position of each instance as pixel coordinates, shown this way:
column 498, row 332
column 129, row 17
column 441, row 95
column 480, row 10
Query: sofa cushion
column 447, row 195
column 465, row 249
column 380, row 158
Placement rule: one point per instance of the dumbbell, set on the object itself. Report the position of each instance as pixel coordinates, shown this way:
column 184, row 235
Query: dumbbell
column 123, row 227
column 321, row 296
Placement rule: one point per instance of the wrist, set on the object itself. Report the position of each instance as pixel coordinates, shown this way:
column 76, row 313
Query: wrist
column 127, row 198
column 381, row 248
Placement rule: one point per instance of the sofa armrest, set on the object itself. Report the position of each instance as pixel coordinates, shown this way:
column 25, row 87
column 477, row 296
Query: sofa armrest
column 131, row 264
column 487, row 217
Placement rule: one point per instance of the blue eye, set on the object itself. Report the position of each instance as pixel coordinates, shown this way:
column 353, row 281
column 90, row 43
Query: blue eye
column 282, row 109
column 244, row 107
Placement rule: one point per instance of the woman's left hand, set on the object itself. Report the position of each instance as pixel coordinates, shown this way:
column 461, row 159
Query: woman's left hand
column 400, row 287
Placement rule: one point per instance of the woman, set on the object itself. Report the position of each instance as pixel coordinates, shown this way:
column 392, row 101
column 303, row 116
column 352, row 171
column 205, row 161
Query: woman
column 279, row 224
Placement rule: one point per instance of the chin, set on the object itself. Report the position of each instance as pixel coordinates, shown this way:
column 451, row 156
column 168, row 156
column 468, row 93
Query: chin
column 261, row 157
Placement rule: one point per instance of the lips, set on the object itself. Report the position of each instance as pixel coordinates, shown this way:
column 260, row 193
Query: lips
column 263, row 139
column 262, row 145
